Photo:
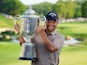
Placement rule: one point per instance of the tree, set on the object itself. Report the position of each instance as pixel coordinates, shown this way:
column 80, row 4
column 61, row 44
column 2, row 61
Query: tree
column 84, row 9
column 60, row 8
column 71, row 6
column 78, row 11
column 43, row 8
column 65, row 9
column 11, row 7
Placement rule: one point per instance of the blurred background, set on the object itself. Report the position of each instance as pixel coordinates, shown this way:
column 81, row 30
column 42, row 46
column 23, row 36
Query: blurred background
column 72, row 24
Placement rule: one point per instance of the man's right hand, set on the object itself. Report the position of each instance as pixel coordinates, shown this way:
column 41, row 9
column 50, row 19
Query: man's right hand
column 17, row 28
column 21, row 40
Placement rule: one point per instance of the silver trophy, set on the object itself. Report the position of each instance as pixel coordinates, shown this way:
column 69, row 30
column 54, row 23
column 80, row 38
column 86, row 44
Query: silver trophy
column 28, row 23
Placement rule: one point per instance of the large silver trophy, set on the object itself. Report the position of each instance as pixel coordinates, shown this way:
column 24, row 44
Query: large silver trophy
column 28, row 23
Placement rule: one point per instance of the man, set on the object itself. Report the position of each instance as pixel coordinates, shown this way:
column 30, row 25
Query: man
column 48, row 42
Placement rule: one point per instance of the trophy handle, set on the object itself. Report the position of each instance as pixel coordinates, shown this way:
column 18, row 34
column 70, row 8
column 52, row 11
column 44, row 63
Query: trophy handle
column 16, row 23
column 17, row 17
column 42, row 21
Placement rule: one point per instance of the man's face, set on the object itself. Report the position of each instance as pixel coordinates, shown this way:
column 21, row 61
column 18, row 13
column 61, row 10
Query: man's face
column 51, row 25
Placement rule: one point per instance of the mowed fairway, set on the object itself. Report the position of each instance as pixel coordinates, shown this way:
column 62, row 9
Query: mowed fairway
column 78, row 57
column 9, row 53
column 74, row 29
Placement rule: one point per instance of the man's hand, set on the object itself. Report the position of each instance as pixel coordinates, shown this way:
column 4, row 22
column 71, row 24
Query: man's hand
column 17, row 28
column 40, row 29
column 21, row 39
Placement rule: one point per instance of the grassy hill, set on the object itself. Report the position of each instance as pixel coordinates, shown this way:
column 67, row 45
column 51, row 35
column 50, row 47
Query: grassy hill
column 5, row 22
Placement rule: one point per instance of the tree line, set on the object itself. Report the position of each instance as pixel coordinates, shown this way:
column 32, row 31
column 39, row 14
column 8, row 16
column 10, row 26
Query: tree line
column 64, row 9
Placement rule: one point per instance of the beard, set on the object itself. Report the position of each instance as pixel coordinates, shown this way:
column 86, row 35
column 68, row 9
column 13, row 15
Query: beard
column 51, row 28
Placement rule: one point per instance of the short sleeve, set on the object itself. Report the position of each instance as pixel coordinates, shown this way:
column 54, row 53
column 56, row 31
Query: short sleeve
column 59, row 43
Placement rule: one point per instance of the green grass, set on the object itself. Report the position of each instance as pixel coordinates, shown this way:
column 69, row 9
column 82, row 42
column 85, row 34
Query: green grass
column 73, row 58
column 9, row 53
column 5, row 22
column 74, row 29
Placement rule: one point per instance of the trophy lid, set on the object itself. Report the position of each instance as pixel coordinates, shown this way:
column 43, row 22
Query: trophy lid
column 29, row 11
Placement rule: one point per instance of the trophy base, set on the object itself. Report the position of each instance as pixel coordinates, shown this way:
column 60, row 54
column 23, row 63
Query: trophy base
column 25, row 58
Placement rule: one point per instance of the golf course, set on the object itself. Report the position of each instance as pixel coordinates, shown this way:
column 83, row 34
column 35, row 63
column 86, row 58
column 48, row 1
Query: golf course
column 71, row 55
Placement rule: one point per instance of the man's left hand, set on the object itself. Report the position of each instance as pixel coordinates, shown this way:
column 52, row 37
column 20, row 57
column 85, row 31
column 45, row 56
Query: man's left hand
column 40, row 29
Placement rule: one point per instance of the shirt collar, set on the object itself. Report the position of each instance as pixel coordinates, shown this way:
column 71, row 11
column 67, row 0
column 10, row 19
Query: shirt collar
column 53, row 33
